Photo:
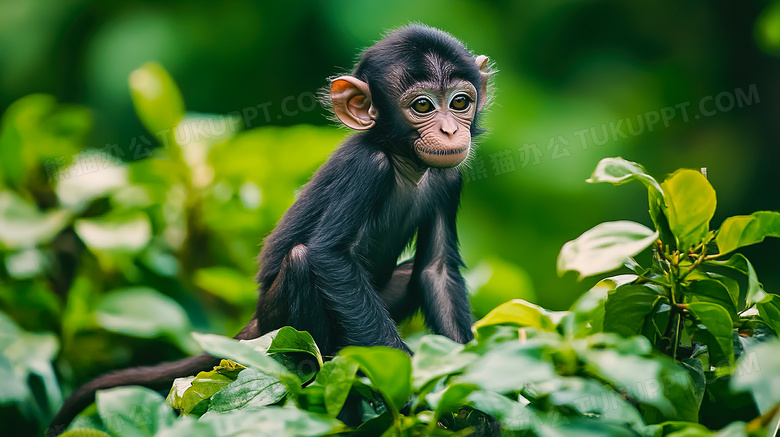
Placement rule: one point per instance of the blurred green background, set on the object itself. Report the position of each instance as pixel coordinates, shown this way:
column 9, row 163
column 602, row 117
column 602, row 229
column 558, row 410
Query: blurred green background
column 120, row 232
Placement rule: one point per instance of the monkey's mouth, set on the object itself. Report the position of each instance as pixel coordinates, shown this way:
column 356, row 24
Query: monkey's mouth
column 443, row 152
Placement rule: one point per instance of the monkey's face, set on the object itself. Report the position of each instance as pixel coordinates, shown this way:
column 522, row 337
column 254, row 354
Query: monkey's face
column 442, row 118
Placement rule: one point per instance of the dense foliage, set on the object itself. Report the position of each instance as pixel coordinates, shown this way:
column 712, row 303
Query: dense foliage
column 684, row 337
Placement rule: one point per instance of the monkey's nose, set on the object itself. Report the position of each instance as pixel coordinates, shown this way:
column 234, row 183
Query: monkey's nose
column 448, row 125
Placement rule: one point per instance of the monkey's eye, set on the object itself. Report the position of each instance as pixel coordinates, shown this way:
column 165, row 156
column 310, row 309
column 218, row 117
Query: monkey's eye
column 459, row 103
column 422, row 105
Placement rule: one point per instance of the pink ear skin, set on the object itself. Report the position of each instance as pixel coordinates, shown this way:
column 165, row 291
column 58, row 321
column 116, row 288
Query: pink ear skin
column 352, row 103
column 483, row 63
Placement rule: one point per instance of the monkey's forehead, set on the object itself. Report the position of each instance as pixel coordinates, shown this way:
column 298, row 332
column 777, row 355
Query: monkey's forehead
column 429, row 70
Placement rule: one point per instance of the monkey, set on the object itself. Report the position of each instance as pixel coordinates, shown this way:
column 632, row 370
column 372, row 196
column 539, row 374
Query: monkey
column 330, row 266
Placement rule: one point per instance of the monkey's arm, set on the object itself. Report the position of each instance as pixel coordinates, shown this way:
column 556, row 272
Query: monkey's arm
column 436, row 274
column 338, row 246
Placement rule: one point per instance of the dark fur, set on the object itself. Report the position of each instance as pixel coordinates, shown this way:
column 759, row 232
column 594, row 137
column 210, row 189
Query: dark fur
column 330, row 266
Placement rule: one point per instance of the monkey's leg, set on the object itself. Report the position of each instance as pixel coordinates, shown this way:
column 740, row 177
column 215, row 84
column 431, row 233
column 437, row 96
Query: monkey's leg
column 293, row 300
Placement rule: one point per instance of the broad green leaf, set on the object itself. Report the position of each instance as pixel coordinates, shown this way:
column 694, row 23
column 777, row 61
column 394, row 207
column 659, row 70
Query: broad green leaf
column 438, row 356
column 190, row 395
column 186, row 426
column 758, row 371
column 25, row 354
column 271, row 422
column 738, row 267
column 250, row 389
column 133, row 411
column 146, row 313
column 718, row 331
column 604, row 248
column 120, row 233
column 82, row 432
column 511, row 414
column 588, row 310
column 521, row 313
column 390, row 371
column 37, row 130
column 655, row 381
column 744, row 230
column 289, row 339
column 76, row 191
column 618, row 171
column 710, row 290
column 14, row 387
column 450, row 399
column 590, row 398
column 627, row 306
column 337, row 376
column 242, row 353
column 769, row 309
column 695, row 369
column 690, row 201
column 681, row 429
column 497, row 370
column 156, row 98
column 22, row 225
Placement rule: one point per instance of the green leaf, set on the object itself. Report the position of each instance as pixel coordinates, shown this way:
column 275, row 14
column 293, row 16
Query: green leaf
column 590, row 398
column 438, row 356
column 250, row 389
column 449, row 400
column 120, row 233
column 618, row 171
column 36, row 129
column 83, row 432
column 744, row 230
column 656, row 382
column 769, row 310
column 710, row 290
column 242, row 353
column 156, row 98
column 146, row 313
column 511, row 414
column 190, row 395
column 718, row 331
column 337, row 376
column 133, row 411
column 627, row 306
column 521, row 313
column 289, row 339
column 695, row 369
column 588, row 310
column 271, row 422
column 390, row 371
column 22, row 225
column 690, row 201
column 497, row 370
column 758, row 371
column 25, row 354
column 186, row 426
column 740, row 265
column 605, row 247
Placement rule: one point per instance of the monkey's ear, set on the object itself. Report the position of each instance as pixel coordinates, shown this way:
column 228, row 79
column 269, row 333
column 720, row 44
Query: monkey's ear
column 483, row 63
column 352, row 103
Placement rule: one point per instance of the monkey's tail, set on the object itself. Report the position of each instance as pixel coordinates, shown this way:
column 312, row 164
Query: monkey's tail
column 157, row 377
